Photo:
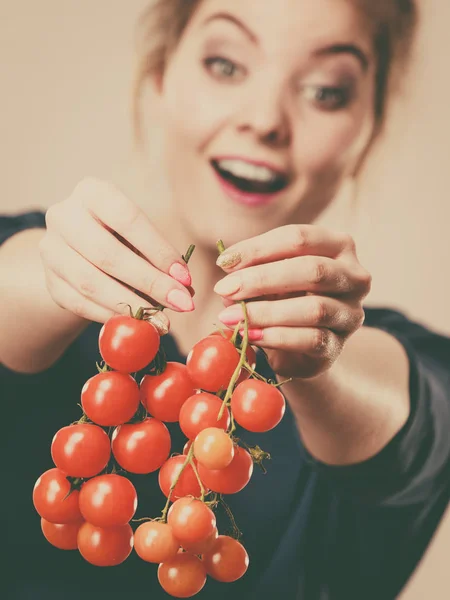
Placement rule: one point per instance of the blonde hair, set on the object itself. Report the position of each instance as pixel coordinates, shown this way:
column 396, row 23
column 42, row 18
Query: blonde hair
column 393, row 23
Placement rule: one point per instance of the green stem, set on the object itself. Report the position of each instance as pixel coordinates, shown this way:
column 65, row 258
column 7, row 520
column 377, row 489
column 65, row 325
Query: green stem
column 188, row 254
column 188, row 460
column 202, row 489
column 227, row 509
column 241, row 362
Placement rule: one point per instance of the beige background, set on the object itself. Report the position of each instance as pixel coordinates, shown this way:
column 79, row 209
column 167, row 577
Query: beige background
column 65, row 73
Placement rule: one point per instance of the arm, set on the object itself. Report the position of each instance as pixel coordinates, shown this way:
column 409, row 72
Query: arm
column 351, row 411
column 35, row 330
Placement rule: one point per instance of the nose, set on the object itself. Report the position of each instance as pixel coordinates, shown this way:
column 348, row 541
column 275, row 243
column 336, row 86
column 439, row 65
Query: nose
column 264, row 114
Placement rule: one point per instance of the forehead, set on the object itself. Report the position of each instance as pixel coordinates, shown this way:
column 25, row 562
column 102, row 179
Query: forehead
column 280, row 23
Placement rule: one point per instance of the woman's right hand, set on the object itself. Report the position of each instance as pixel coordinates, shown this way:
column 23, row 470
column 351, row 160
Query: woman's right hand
column 101, row 251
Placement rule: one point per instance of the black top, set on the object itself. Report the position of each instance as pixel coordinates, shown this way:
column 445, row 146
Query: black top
column 313, row 532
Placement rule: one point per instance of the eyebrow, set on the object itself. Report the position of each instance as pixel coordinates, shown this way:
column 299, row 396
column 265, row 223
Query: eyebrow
column 224, row 16
column 334, row 49
column 346, row 49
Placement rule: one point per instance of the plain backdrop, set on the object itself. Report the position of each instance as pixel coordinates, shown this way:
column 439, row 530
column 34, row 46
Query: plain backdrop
column 66, row 69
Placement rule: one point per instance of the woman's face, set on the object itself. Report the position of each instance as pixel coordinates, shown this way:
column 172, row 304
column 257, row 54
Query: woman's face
column 266, row 108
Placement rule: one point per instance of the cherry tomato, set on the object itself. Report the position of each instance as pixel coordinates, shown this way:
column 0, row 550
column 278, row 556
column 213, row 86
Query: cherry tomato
column 191, row 520
column 110, row 399
column 203, row 546
column 213, row 448
column 227, row 560
column 108, row 500
column 155, row 542
column 105, row 547
column 201, row 411
column 250, row 355
column 141, row 447
column 164, row 395
column 182, row 576
column 61, row 535
column 231, row 479
column 127, row 344
column 257, row 406
column 187, row 485
column 52, row 500
column 81, row 450
column 212, row 362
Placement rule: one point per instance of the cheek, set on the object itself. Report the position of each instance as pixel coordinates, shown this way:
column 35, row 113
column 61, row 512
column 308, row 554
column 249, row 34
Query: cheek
column 194, row 108
column 332, row 142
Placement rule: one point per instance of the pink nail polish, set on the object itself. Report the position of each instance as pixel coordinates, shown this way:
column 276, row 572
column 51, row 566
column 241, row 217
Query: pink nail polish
column 232, row 315
column 180, row 300
column 254, row 335
column 180, row 273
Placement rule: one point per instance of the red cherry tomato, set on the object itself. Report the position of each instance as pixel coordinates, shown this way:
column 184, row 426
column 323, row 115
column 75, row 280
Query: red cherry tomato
column 257, row 406
column 81, row 450
column 201, row 411
column 187, row 484
column 227, row 560
column 191, row 520
column 110, row 399
column 105, row 547
column 155, row 542
column 231, row 479
column 108, row 500
column 212, row 362
column 127, row 344
column 61, row 535
column 141, row 447
column 213, row 448
column 52, row 498
column 203, row 546
column 250, row 355
column 182, row 576
column 164, row 395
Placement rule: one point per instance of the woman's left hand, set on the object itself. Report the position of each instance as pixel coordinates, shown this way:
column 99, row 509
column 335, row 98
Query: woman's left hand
column 304, row 287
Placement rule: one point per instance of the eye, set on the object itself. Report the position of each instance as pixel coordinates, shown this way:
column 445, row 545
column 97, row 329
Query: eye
column 328, row 98
column 223, row 68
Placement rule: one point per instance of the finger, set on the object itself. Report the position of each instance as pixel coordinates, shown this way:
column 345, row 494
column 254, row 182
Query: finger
column 108, row 204
column 319, row 343
column 306, row 311
column 302, row 274
column 106, row 253
column 88, row 281
column 65, row 296
column 284, row 242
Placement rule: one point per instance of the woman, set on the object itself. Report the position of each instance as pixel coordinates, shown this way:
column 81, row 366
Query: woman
column 267, row 108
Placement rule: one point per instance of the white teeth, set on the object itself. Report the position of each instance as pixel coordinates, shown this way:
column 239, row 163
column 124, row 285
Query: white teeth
column 246, row 170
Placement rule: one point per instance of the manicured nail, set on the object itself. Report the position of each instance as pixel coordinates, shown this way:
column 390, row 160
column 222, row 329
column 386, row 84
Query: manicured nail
column 254, row 335
column 228, row 260
column 159, row 323
column 232, row 315
column 228, row 286
column 180, row 273
column 180, row 300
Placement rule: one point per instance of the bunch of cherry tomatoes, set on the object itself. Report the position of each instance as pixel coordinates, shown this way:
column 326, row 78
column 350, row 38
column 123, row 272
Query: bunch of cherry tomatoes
column 85, row 505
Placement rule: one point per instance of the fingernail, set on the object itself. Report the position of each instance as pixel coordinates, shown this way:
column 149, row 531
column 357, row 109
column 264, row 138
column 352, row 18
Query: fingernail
column 180, row 300
column 228, row 286
column 159, row 323
column 254, row 335
column 228, row 260
column 180, row 273
column 232, row 315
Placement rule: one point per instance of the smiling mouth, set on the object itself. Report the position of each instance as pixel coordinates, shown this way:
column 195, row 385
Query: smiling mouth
column 250, row 178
